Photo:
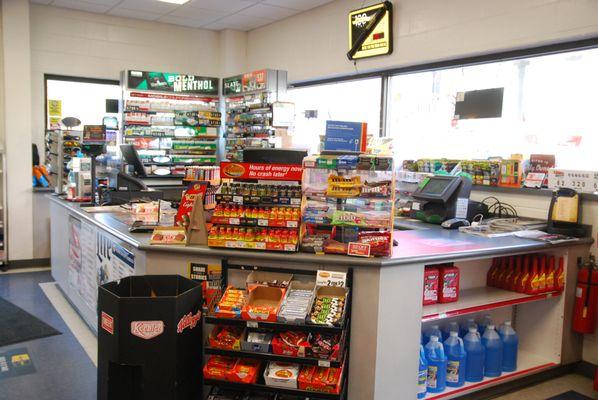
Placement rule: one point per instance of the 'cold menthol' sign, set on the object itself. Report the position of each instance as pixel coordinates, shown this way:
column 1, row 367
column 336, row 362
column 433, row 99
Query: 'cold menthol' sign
column 173, row 83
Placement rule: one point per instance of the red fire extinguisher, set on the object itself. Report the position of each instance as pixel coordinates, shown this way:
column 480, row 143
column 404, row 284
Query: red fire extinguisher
column 586, row 298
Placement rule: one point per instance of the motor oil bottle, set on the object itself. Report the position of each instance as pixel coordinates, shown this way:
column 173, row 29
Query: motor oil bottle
column 491, row 274
column 494, row 348
column 456, row 360
column 532, row 284
column 475, row 353
column 524, row 277
column 436, row 381
column 516, row 274
column 509, row 275
column 542, row 274
column 501, row 273
column 550, row 272
column 510, row 342
column 559, row 276
column 422, row 375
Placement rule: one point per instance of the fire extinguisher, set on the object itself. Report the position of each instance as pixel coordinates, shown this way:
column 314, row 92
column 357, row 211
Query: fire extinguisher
column 586, row 298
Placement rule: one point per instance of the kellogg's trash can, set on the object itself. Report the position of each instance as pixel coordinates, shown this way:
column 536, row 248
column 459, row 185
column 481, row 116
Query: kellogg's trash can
column 150, row 339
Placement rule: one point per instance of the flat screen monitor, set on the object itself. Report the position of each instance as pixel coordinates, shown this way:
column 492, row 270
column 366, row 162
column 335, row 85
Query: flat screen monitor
column 131, row 157
column 274, row 156
column 438, row 188
column 486, row 103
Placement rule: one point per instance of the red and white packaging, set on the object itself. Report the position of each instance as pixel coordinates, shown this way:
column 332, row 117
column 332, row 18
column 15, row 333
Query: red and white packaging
column 449, row 284
column 431, row 282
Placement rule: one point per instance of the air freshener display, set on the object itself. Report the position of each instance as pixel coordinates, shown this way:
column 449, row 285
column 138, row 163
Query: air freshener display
column 349, row 202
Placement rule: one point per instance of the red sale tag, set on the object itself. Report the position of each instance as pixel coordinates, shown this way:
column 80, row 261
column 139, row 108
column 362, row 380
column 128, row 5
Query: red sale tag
column 359, row 249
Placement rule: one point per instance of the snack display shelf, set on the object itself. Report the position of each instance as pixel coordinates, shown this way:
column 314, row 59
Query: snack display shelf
column 480, row 299
column 528, row 364
column 270, row 223
column 241, row 244
column 259, row 201
column 274, row 357
column 260, row 388
column 277, row 326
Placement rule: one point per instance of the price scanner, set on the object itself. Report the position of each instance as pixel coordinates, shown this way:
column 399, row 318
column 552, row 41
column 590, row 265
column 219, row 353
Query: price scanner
column 440, row 198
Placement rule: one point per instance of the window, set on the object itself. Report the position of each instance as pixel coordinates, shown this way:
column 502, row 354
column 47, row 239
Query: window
column 356, row 101
column 548, row 108
column 81, row 98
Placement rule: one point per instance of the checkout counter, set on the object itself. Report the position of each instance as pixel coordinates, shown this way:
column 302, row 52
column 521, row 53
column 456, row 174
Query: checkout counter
column 387, row 315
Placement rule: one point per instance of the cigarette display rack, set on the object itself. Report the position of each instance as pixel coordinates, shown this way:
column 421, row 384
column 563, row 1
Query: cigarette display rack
column 249, row 102
column 243, row 352
column 61, row 147
column 348, row 205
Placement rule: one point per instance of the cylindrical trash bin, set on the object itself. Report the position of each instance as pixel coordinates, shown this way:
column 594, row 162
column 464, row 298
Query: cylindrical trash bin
column 150, row 339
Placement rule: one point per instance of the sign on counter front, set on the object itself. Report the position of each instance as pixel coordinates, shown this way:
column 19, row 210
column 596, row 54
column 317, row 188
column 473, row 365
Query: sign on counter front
column 171, row 82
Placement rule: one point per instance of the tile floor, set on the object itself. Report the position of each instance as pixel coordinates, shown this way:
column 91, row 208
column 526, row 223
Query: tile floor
column 65, row 370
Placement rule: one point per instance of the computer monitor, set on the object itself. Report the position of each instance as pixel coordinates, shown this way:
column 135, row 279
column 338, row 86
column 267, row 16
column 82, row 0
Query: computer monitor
column 274, row 156
column 131, row 157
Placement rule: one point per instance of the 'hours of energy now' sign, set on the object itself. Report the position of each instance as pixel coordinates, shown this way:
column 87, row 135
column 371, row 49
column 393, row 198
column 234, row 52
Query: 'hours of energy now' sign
column 370, row 31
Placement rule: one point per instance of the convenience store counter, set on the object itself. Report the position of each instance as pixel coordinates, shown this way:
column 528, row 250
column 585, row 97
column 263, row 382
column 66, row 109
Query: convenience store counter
column 387, row 312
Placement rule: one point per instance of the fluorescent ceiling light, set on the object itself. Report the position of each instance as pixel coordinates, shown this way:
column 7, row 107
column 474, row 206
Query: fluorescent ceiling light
column 174, row 1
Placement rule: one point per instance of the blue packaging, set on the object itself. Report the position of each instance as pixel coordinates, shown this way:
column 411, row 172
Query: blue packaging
column 474, row 362
column 493, row 344
column 456, row 360
column 422, row 375
column 510, row 342
column 436, row 381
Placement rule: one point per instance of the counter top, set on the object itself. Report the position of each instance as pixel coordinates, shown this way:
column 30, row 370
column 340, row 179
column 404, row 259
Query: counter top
column 415, row 246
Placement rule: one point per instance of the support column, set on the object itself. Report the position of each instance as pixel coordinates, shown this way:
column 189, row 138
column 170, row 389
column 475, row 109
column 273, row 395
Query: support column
column 17, row 127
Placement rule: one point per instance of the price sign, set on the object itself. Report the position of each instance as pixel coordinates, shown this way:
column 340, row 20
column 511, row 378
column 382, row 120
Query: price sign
column 370, row 31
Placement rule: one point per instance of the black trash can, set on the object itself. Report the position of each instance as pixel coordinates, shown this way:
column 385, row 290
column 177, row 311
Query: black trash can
column 150, row 339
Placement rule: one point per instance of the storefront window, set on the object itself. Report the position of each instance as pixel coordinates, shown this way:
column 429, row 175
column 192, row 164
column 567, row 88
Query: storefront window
column 548, row 107
column 356, row 101
column 83, row 99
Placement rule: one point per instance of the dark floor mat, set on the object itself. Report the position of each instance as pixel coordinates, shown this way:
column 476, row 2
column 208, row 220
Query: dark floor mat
column 570, row 395
column 17, row 325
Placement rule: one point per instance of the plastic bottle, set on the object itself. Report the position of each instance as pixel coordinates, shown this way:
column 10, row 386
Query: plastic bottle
column 559, row 276
column 550, row 275
column 542, row 274
column 510, row 342
column 465, row 325
column 475, row 352
column 422, row 376
column 436, row 365
column 484, row 322
column 456, row 360
column 502, row 271
column 506, row 284
column 448, row 328
column 522, row 281
column 491, row 274
column 516, row 274
column 494, row 348
column 432, row 330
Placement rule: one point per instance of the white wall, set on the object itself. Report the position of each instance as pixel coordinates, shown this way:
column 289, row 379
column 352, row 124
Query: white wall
column 313, row 44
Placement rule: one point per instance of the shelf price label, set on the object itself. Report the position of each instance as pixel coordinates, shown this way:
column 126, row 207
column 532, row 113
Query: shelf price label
column 238, row 199
column 291, row 224
column 324, row 363
column 262, row 222
column 252, row 324
column 234, row 221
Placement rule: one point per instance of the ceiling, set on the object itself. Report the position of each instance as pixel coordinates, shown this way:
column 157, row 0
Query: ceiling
column 242, row 15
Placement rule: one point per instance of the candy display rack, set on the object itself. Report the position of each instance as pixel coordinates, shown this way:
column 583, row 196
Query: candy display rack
column 249, row 102
column 236, row 276
column 257, row 214
column 171, row 130
column 348, row 205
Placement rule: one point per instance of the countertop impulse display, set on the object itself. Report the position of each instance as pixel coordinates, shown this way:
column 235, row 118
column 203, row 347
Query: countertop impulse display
column 279, row 332
column 61, row 146
column 348, row 205
column 172, row 131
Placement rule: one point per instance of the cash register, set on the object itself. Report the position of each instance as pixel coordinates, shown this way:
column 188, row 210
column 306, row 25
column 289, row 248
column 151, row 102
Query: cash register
column 130, row 188
column 442, row 200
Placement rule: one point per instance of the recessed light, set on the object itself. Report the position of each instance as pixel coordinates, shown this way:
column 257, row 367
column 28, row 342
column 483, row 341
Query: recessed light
column 174, row 1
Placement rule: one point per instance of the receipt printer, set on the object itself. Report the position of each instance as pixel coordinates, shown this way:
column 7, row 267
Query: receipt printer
column 441, row 197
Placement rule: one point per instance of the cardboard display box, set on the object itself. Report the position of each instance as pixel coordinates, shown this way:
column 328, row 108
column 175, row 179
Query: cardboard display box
column 263, row 304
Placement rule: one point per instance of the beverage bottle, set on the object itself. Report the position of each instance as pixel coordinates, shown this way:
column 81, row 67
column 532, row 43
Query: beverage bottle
column 510, row 342
column 522, row 281
column 456, row 360
column 532, row 284
column 452, row 326
column 494, row 348
column 465, row 325
column 422, row 375
column 432, row 330
column 475, row 352
column 484, row 322
column 559, row 276
column 436, row 381
column 542, row 274
column 550, row 272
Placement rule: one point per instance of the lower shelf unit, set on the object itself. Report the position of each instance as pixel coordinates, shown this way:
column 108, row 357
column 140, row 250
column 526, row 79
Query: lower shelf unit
column 528, row 364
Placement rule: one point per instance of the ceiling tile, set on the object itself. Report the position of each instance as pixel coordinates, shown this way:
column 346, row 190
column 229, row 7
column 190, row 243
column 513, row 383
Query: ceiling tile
column 41, row 1
column 153, row 6
column 302, row 5
column 109, row 3
column 217, row 26
column 190, row 22
column 243, row 22
column 125, row 13
column 81, row 5
column 222, row 5
column 204, row 15
column 266, row 11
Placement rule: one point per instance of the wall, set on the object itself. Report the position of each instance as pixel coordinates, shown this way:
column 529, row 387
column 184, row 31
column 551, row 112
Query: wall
column 313, row 44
